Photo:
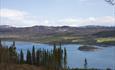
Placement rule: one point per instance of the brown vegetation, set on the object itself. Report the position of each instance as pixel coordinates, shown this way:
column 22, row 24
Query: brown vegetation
column 5, row 66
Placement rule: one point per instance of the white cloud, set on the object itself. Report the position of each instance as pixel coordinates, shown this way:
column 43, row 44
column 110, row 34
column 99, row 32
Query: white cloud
column 13, row 14
column 16, row 18
column 22, row 18
column 46, row 21
column 102, row 21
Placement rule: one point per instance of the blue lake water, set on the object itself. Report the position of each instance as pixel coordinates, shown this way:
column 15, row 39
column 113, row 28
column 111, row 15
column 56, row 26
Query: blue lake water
column 102, row 58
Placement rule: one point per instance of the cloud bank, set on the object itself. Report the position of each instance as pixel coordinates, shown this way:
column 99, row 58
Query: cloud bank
column 21, row 18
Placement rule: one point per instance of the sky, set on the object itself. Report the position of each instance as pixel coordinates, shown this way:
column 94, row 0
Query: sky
column 24, row 13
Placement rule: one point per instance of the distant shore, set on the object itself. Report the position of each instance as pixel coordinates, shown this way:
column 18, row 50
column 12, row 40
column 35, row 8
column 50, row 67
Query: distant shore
column 103, row 44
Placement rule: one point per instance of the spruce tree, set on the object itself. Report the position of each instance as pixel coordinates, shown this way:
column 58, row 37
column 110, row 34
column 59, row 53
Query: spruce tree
column 12, row 53
column 28, row 57
column 54, row 48
column 21, row 57
column 38, row 57
column 0, row 43
column 65, row 59
column 85, row 64
column 33, row 55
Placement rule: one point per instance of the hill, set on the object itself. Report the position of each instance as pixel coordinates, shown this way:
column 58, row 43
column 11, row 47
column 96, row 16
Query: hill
column 110, row 33
column 51, row 33
column 50, row 30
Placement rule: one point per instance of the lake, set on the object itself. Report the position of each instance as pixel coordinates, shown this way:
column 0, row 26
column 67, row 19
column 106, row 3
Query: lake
column 102, row 58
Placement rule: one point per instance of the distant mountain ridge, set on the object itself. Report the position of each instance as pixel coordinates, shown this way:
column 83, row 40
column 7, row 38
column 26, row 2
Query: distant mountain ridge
column 5, row 26
column 51, row 30
column 88, row 26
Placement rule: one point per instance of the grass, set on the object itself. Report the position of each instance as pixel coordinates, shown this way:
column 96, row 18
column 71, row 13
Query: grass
column 63, row 39
column 58, row 39
column 109, row 39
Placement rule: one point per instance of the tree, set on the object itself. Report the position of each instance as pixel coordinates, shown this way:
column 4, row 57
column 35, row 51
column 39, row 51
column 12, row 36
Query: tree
column 57, row 57
column 38, row 57
column 65, row 58
column 54, row 48
column 4, row 55
column 0, row 43
column 28, row 57
column 33, row 55
column 112, row 2
column 21, row 57
column 85, row 64
column 12, row 53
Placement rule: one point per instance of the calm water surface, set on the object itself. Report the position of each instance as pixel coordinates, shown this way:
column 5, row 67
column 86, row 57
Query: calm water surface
column 102, row 58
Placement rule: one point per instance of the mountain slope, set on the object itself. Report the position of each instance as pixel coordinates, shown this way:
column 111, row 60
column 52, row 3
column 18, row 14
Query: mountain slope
column 46, row 30
column 50, row 33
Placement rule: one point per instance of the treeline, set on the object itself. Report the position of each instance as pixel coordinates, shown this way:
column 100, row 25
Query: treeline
column 8, row 55
column 110, row 33
column 56, row 59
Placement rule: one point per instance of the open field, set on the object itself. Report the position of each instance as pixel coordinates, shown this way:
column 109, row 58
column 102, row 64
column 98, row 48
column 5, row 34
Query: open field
column 109, row 39
column 64, row 39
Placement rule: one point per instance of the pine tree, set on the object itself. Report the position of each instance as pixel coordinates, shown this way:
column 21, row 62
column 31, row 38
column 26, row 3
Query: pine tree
column 12, row 53
column 57, row 57
column 85, row 64
column 38, row 57
column 65, row 59
column 21, row 57
column 28, row 57
column 0, row 43
column 33, row 55
column 54, row 48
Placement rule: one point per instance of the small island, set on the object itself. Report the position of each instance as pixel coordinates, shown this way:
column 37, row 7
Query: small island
column 87, row 48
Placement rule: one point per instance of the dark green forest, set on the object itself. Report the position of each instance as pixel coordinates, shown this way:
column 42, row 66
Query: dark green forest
column 51, row 60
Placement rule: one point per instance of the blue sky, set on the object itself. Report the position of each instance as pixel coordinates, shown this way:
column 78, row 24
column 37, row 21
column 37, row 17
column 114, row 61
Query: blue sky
column 56, row 13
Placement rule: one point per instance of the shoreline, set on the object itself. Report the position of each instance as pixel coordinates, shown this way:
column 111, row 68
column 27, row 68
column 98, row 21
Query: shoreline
column 58, row 42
